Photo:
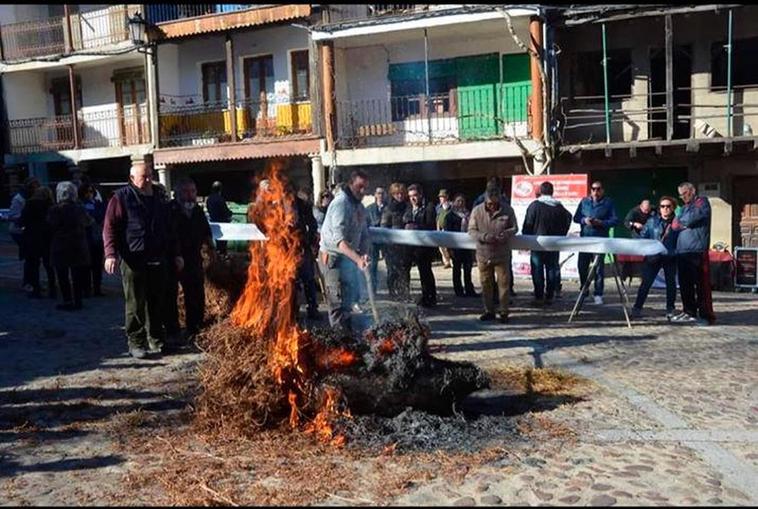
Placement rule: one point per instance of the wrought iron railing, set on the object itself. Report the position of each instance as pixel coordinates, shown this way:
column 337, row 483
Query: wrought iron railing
column 161, row 13
column 480, row 113
column 201, row 123
column 113, row 127
column 342, row 13
column 89, row 30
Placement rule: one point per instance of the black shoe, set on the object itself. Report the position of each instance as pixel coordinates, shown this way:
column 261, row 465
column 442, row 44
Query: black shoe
column 137, row 352
column 154, row 349
column 487, row 317
column 503, row 318
column 471, row 293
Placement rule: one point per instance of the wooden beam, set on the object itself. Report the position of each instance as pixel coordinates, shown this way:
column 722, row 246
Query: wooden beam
column 327, row 74
column 535, row 44
column 231, row 83
column 693, row 145
column 70, row 40
column 74, row 109
column 669, row 78
column 314, row 87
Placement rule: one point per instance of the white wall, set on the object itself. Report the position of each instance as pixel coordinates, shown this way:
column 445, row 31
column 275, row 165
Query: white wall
column 25, row 95
column 179, row 64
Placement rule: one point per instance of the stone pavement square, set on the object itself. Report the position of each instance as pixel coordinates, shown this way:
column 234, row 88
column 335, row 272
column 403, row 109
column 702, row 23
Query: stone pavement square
column 673, row 418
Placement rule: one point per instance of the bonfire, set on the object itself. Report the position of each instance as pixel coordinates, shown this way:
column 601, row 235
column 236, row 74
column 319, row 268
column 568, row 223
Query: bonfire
column 263, row 368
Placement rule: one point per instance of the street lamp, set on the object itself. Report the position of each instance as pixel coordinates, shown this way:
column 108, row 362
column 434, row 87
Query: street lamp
column 137, row 30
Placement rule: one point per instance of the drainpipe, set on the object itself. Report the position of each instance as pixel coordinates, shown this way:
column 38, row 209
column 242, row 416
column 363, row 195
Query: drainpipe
column 605, row 89
column 426, row 79
column 729, row 79
column 74, row 109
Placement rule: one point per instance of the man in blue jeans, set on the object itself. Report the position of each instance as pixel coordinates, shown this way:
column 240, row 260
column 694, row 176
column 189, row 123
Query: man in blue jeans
column 596, row 214
column 545, row 216
column 659, row 227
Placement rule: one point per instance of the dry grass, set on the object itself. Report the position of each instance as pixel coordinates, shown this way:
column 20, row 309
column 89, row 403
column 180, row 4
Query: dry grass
column 538, row 381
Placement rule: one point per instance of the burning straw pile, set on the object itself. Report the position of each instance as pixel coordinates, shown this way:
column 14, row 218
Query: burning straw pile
column 263, row 370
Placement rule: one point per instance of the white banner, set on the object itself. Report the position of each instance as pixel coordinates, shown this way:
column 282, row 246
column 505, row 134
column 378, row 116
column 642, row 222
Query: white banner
column 236, row 231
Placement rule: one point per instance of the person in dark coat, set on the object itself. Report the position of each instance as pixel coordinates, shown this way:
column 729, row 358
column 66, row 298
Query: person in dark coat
column 597, row 215
column 190, row 226
column 420, row 215
column 546, row 216
column 694, row 226
column 69, row 250
column 15, row 229
column 96, row 210
column 307, row 228
column 36, row 240
column 504, row 201
column 137, row 230
column 396, row 255
column 218, row 211
column 374, row 213
column 637, row 217
column 456, row 220
column 659, row 227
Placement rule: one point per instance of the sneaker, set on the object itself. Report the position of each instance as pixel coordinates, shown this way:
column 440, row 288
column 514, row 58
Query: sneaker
column 503, row 318
column 670, row 313
column 599, row 300
column 137, row 352
column 683, row 318
column 487, row 317
column 636, row 313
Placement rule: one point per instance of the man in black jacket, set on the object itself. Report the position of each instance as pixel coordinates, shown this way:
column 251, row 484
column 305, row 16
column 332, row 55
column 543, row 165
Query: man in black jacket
column 192, row 231
column 218, row 211
column 637, row 217
column 546, row 216
column 421, row 215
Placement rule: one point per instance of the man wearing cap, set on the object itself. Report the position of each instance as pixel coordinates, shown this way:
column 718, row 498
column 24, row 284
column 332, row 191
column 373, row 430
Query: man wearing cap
column 442, row 208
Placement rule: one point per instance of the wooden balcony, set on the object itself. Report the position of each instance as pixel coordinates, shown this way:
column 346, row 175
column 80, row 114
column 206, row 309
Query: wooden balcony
column 111, row 127
column 46, row 37
column 210, row 123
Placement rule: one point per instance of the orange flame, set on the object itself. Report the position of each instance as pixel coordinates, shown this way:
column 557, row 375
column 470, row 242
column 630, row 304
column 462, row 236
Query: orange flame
column 266, row 305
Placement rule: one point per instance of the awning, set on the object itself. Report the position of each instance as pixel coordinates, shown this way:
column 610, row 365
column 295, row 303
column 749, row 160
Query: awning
column 232, row 151
column 228, row 20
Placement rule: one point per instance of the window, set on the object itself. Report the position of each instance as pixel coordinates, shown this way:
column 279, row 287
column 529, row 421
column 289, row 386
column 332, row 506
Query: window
column 744, row 70
column 408, row 89
column 61, row 92
column 300, row 75
column 588, row 73
column 259, row 76
column 214, row 82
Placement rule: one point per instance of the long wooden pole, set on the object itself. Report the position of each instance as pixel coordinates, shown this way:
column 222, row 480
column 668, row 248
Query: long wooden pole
column 74, row 109
column 231, row 83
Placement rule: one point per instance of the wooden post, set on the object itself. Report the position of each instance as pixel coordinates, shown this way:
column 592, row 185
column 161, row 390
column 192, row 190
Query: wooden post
column 535, row 44
column 74, row 109
column 153, row 98
column 70, row 40
column 669, row 79
column 314, row 88
column 327, row 75
column 605, row 88
column 2, row 51
column 230, row 82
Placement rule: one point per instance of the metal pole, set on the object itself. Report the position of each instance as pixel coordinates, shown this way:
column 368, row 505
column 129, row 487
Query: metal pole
column 729, row 80
column 605, row 89
column 426, row 79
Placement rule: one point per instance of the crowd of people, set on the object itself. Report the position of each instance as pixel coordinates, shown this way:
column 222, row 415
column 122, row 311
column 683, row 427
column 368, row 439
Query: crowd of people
column 155, row 242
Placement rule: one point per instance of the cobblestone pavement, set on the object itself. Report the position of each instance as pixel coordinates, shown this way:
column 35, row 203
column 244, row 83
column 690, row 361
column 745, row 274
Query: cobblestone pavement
column 673, row 418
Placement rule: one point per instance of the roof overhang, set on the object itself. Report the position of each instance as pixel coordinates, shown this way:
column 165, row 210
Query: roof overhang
column 427, row 22
column 232, row 151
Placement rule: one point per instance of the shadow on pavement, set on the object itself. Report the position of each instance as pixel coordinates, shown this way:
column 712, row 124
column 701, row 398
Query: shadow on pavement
column 12, row 468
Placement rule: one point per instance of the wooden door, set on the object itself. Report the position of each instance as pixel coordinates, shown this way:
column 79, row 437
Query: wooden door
column 132, row 117
column 745, row 211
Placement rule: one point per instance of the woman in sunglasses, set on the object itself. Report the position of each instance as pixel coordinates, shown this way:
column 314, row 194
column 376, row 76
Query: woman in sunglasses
column 659, row 228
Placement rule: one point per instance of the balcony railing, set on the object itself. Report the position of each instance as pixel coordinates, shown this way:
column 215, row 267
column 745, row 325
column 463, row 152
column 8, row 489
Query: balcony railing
column 98, row 129
column 342, row 13
column 210, row 123
column 89, row 30
column 699, row 112
column 487, row 113
column 161, row 13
